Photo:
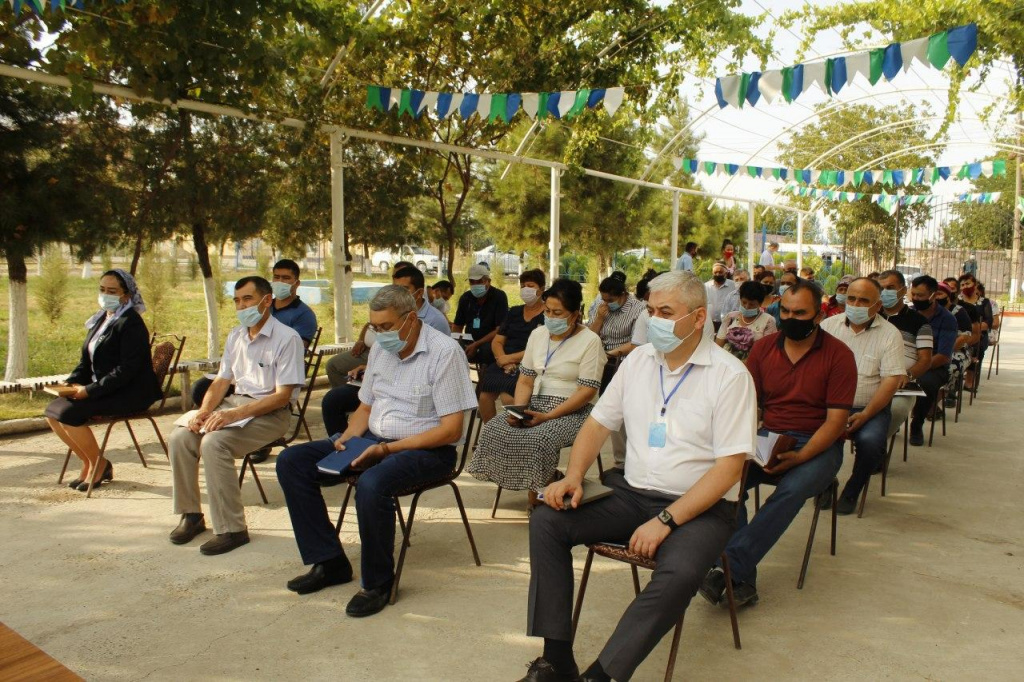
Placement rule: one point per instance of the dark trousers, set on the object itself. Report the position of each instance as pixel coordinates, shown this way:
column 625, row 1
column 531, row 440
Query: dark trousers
column 753, row 540
column 200, row 388
column 683, row 560
column 930, row 382
column 375, row 506
column 871, row 441
column 336, row 405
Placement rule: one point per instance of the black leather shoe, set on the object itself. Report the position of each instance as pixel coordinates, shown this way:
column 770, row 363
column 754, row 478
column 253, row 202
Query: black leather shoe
column 542, row 671
column 713, row 586
column 259, row 456
column 224, row 543
column 368, row 602
column 826, row 500
column 916, row 437
column 318, row 578
column 744, row 593
column 75, row 483
column 846, row 507
column 187, row 530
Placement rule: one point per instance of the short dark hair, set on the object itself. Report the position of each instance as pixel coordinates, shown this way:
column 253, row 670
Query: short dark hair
column 536, row 276
column 403, row 264
column 969, row 276
column 612, row 285
column 951, row 279
column 928, row 282
column 766, row 273
column 413, row 274
column 568, row 291
column 817, row 293
column 753, row 291
column 262, row 285
column 444, row 285
column 287, row 264
column 727, row 242
column 690, row 245
column 758, row 265
column 894, row 273
column 619, row 275
column 873, row 275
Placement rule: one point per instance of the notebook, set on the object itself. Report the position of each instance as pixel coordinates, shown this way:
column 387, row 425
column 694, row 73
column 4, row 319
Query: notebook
column 61, row 391
column 338, row 462
column 770, row 446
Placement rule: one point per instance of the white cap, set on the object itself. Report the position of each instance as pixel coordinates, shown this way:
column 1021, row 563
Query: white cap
column 479, row 272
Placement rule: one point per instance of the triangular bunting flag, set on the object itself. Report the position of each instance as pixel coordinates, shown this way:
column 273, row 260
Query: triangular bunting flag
column 530, row 100
column 962, row 42
column 938, row 50
column 914, row 49
column 770, row 85
column 566, row 100
column 613, row 99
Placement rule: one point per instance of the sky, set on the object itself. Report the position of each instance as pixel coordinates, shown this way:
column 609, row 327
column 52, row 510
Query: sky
column 750, row 136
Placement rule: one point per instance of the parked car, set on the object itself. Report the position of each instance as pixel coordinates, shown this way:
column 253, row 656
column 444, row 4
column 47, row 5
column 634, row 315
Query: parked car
column 422, row 258
column 509, row 260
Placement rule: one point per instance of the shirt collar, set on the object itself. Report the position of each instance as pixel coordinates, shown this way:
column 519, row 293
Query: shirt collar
column 421, row 343
column 701, row 354
column 266, row 330
column 871, row 322
column 293, row 304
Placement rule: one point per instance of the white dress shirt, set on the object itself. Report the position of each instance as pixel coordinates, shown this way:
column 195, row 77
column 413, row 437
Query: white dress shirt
column 721, row 299
column 878, row 350
column 712, row 414
column 258, row 366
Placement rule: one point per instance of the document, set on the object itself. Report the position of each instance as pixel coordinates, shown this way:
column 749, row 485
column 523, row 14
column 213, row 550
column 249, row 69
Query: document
column 770, row 445
column 184, row 420
column 339, row 461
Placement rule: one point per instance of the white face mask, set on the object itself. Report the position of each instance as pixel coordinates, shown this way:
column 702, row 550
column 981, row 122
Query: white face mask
column 529, row 295
column 282, row 290
column 109, row 302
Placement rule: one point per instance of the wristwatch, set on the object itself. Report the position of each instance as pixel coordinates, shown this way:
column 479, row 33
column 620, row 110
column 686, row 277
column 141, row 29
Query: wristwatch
column 667, row 519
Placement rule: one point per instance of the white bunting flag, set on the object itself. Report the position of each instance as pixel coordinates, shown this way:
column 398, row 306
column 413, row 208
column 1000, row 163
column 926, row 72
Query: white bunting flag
column 859, row 63
column 429, row 101
column 770, row 85
column 530, row 102
column 814, row 76
column 612, row 99
column 914, row 49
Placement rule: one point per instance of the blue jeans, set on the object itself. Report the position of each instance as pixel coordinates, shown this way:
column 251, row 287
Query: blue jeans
column 871, row 441
column 375, row 506
column 752, row 541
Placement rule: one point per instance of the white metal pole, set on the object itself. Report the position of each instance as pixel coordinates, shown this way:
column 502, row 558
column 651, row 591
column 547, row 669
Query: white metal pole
column 799, row 241
column 750, row 238
column 1015, row 253
column 556, row 222
column 342, row 286
column 675, row 230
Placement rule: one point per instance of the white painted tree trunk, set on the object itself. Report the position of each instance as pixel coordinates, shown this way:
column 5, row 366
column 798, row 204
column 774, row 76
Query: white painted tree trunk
column 87, row 269
column 17, row 332
column 212, row 342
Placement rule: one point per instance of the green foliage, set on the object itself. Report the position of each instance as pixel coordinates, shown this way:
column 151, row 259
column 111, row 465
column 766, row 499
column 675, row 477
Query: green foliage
column 106, row 260
column 193, row 268
column 154, row 280
column 52, row 288
column 985, row 226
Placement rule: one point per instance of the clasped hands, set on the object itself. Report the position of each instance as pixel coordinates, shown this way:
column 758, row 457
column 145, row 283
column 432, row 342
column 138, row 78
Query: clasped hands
column 213, row 420
column 371, row 455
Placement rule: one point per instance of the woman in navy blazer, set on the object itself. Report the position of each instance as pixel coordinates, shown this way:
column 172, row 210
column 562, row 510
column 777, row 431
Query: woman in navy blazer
column 114, row 377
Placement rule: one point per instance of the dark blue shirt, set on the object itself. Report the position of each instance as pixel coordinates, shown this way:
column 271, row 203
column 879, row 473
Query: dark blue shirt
column 299, row 317
column 944, row 331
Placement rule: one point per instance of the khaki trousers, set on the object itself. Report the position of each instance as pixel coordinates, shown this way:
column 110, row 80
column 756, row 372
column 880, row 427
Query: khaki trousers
column 219, row 450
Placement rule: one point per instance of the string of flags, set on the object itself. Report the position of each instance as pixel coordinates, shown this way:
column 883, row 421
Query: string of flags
column 504, row 106
column 927, row 175
column 890, row 201
column 38, row 6
column 832, row 75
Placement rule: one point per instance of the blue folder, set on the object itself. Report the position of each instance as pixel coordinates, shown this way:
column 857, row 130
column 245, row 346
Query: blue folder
column 339, row 461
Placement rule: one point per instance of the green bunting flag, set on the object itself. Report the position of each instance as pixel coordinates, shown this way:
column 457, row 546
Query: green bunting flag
column 833, row 74
column 891, row 201
column 890, row 177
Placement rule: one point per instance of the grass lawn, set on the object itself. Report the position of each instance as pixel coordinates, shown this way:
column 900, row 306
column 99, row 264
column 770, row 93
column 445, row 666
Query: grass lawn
column 54, row 348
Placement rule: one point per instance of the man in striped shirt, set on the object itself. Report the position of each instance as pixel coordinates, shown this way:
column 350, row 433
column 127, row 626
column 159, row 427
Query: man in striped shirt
column 878, row 349
column 917, row 338
column 412, row 403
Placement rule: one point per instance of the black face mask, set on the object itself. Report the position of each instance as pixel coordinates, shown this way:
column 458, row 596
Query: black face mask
column 922, row 305
column 719, row 279
column 797, row 330
column 943, row 302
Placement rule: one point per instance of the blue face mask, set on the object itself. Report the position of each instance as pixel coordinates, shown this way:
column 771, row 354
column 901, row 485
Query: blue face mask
column 391, row 341
column 750, row 313
column 841, row 299
column 109, row 302
column 282, row 290
column 251, row 316
column 858, row 315
column 479, row 290
column 890, row 298
column 556, row 325
column 662, row 335
column 783, row 288
column 614, row 305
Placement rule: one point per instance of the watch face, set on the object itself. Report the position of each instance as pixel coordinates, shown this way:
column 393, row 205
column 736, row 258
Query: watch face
column 664, row 516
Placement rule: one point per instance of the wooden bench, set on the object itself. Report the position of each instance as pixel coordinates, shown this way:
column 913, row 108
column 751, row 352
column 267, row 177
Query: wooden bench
column 20, row 659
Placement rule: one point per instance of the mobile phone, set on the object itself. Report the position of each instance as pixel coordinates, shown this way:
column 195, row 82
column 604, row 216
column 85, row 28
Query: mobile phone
column 519, row 412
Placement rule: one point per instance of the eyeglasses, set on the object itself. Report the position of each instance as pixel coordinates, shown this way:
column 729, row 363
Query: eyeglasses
column 388, row 326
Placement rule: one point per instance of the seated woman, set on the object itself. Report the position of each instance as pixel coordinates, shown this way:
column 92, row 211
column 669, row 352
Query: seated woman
column 741, row 328
column 114, row 377
column 499, row 379
column 559, row 376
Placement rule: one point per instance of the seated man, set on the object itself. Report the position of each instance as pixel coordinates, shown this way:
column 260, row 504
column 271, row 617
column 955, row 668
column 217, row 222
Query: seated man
column 924, row 296
column 289, row 310
column 878, row 350
column 806, row 380
column 339, row 366
column 787, row 280
column 481, row 311
column 440, row 294
column 263, row 358
column 338, row 402
column 414, row 394
column 917, row 339
column 686, row 446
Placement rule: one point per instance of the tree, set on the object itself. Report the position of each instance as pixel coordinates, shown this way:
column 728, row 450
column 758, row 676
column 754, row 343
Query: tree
column 863, row 226
column 985, row 226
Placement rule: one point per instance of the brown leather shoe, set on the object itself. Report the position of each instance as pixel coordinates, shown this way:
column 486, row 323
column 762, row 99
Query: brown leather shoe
column 187, row 530
column 224, row 543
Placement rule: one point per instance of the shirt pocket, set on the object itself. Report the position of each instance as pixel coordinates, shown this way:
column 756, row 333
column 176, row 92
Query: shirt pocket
column 868, row 365
column 265, row 369
column 422, row 400
column 689, row 422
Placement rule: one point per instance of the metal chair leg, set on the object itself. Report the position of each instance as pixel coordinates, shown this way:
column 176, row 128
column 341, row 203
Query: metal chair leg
column 810, row 542
column 863, row 498
column 757, row 498
column 138, row 449
column 732, row 601
column 636, row 580
column 465, row 521
column 160, row 437
column 906, row 437
column 63, row 469
column 582, row 591
column 344, row 506
column 494, row 507
column 674, row 651
column 835, row 503
column 405, row 547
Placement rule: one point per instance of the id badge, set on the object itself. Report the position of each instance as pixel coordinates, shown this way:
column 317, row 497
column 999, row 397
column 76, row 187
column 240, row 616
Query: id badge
column 657, row 435
column 476, row 323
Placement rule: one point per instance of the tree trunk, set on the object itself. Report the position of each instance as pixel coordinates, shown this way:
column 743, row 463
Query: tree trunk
column 136, row 254
column 450, row 232
column 209, row 289
column 17, row 328
column 87, row 268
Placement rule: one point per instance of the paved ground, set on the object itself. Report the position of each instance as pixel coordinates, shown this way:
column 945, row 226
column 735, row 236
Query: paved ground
column 928, row 585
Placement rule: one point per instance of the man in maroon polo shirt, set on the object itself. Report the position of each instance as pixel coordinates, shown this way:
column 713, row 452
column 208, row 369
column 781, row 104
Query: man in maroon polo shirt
column 805, row 381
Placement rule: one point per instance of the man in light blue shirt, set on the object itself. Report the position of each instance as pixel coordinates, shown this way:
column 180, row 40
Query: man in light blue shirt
column 685, row 261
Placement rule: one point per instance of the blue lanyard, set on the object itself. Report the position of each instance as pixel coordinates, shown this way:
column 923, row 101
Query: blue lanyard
column 661, row 376
column 551, row 353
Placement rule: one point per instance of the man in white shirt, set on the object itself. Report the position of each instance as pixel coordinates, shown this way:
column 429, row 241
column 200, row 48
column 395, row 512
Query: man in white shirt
column 689, row 409
column 878, row 349
column 768, row 256
column 685, row 262
column 264, row 360
column 722, row 294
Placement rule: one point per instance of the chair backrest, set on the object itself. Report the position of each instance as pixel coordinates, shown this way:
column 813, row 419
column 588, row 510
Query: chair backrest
column 997, row 325
column 166, row 356
column 311, row 350
column 304, row 395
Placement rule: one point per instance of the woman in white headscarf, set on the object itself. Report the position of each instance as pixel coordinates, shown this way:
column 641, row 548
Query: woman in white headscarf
column 114, row 376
